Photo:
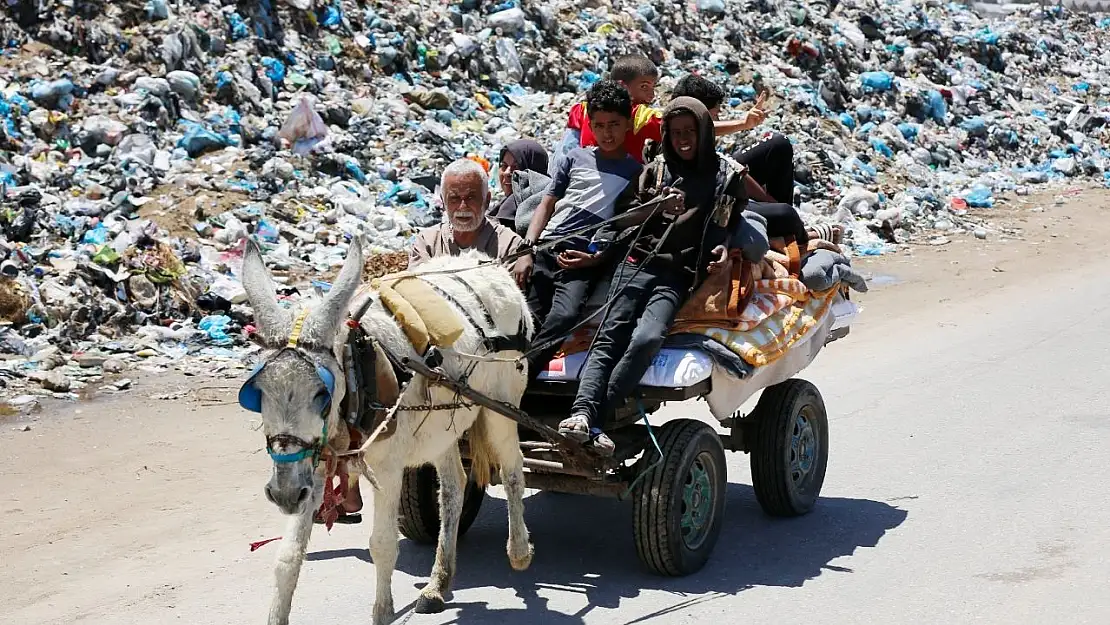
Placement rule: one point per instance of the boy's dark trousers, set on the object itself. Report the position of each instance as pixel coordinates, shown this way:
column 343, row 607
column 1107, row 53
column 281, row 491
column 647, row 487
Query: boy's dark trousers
column 771, row 163
column 556, row 297
column 631, row 335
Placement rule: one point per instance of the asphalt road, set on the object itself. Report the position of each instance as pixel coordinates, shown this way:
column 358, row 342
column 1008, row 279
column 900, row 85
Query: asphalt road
column 969, row 445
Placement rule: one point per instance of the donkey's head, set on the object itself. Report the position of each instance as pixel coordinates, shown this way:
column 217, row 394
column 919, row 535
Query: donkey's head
column 298, row 386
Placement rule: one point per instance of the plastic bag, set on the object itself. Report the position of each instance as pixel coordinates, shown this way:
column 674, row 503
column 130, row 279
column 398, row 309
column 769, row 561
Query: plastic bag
column 304, row 128
column 198, row 140
column 876, row 81
column 215, row 326
column 510, row 60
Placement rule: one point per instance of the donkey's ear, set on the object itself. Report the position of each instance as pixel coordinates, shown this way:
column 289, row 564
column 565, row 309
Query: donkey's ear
column 273, row 322
column 322, row 323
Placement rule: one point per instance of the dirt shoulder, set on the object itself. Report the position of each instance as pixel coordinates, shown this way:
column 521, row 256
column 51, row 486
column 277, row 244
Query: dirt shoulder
column 1034, row 237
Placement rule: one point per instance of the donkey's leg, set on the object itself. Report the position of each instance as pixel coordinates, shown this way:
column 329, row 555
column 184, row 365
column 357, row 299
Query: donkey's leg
column 383, row 541
column 452, row 481
column 289, row 561
column 505, row 442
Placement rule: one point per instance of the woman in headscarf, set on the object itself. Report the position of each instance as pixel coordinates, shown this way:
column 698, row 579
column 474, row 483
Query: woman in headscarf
column 520, row 155
column 683, row 239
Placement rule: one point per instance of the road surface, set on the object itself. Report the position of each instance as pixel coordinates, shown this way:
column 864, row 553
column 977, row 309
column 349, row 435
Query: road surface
column 966, row 484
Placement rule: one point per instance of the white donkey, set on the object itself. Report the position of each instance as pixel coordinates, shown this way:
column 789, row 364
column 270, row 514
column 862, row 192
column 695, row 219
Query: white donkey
column 299, row 387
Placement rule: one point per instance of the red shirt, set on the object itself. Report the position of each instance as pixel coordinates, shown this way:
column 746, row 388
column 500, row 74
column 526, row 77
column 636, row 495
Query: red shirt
column 647, row 123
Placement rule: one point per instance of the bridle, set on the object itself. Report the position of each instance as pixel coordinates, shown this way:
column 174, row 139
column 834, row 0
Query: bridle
column 250, row 398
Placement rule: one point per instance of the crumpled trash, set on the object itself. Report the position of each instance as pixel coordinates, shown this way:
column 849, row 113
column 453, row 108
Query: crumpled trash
column 198, row 140
column 56, row 94
column 154, row 137
column 215, row 326
column 304, row 128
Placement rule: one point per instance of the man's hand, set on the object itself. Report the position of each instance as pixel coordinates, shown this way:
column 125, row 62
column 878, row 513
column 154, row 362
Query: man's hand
column 573, row 259
column 522, row 271
column 720, row 254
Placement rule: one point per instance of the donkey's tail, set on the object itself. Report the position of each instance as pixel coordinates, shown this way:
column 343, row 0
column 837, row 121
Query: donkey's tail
column 482, row 454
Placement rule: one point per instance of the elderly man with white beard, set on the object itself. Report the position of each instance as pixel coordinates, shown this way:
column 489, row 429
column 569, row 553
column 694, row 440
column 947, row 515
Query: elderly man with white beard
column 464, row 189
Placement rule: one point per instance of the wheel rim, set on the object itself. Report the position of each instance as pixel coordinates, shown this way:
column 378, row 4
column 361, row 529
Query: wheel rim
column 803, row 448
column 698, row 505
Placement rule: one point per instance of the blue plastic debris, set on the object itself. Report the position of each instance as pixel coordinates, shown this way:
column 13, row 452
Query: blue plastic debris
column 275, row 69
column 198, row 140
column 935, row 106
column 975, row 126
column 215, row 326
column 237, row 28
column 56, row 94
column 497, row 100
column 876, row 81
column 267, row 231
column 909, row 131
column 587, row 79
column 979, row 197
column 332, row 15
column 847, row 120
column 881, row 147
column 96, row 236
column 354, row 171
column 988, row 36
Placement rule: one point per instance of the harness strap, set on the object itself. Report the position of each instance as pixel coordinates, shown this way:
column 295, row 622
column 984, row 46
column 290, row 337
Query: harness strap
column 495, row 343
column 298, row 325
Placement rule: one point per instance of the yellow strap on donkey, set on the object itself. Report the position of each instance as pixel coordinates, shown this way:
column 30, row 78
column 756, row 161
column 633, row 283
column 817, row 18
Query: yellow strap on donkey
column 423, row 314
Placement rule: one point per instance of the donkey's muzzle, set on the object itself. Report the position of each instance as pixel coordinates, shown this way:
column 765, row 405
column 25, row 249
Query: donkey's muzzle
column 288, row 492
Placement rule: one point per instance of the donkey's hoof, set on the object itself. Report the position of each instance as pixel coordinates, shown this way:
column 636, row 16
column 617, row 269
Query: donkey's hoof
column 383, row 615
column 430, row 604
column 522, row 562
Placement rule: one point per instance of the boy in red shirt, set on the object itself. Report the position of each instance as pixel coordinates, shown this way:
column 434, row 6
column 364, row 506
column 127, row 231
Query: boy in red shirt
column 639, row 76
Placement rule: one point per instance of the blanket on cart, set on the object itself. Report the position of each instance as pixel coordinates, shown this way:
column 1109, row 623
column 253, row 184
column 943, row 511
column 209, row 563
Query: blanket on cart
column 775, row 320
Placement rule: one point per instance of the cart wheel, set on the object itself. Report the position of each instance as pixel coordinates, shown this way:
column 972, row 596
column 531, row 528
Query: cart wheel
column 790, row 448
column 679, row 505
column 419, row 519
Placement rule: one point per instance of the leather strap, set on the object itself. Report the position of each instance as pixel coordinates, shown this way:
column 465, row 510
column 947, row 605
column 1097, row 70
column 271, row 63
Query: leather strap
column 793, row 257
column 740, row 291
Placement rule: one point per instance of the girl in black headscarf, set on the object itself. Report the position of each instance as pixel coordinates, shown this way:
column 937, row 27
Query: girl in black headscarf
column 520, row 155
column 676, row 248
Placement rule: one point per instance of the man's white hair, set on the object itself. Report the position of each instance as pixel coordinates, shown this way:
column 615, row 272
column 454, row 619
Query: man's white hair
column 465, row 167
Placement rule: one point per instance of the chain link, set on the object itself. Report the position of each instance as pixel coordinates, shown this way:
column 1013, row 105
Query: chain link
column 424, row 407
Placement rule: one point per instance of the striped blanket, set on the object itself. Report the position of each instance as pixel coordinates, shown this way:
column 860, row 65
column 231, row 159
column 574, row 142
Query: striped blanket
column 773, row 322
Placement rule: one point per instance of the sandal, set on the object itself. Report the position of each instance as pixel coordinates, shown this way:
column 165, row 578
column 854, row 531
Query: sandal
column 343, row 518
column 575, row 427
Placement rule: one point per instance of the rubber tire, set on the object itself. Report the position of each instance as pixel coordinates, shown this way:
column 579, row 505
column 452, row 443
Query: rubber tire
column 773, row 426
column 419, row 518
column 657, row 500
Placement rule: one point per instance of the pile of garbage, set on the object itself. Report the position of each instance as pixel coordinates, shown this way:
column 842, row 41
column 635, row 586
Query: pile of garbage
column 142, row 141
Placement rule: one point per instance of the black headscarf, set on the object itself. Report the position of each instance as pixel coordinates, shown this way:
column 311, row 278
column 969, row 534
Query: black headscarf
column 700, row 174
column 694, row 233
column 530, row 156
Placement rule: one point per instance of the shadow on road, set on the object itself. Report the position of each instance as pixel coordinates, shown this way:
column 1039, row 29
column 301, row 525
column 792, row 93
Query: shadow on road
column 585, row 545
